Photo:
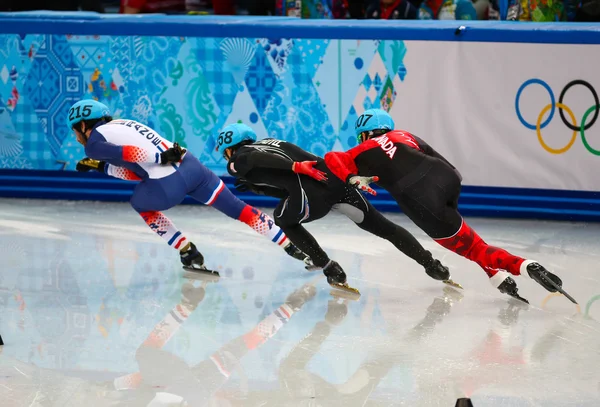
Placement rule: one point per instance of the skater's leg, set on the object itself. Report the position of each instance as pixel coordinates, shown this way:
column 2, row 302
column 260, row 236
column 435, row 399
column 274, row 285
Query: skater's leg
column 467, row 243
column 361, row 212
column 188, row 253
column 163, row 227
column 304, row 241
column 150, row 198
column 433, row 207
column 446, row 226
column 366, row 217
column 214, row 193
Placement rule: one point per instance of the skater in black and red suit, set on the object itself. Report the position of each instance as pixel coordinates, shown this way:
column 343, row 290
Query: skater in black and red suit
column 267, row 167
column 427, row 187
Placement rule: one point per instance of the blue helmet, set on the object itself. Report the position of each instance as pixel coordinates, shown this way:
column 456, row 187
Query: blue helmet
column 87, row 109
column 233, row 135
column 373, row 119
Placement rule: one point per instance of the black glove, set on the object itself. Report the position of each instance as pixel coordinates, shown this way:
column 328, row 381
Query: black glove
column 89, row 164
column 242, row 185
column 172, row 155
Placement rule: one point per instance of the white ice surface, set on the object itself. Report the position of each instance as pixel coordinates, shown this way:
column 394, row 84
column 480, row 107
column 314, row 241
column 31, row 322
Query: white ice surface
column 86, row 291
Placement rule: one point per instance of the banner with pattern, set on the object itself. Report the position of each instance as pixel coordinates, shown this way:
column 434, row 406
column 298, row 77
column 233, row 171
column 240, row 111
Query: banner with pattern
column 505, row 124
column 305, row 91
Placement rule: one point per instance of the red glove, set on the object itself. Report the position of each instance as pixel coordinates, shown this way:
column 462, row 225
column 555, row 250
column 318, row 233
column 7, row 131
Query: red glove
column 306, row 168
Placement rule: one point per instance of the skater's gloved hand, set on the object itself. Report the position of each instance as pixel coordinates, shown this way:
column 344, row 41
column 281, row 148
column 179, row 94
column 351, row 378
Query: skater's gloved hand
column 89, row 164
column 173, row 154
column 245, row 186
column 241, row 185
column 307, row 168
column 362, row 183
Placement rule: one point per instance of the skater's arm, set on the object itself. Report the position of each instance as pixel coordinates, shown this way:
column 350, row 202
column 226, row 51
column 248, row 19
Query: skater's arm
column 267, row 190
column 120, row 172
column 341, row 164
column 100, row 149
column 243, row 163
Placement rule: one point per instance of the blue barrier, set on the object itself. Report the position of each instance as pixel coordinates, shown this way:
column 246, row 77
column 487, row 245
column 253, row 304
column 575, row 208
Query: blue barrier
column 474, row 201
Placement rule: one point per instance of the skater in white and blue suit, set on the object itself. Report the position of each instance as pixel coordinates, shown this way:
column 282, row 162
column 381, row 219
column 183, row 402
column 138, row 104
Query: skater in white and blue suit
column 132, row 151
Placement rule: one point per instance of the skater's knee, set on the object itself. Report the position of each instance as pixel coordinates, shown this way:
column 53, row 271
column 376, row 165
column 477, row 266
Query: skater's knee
column 283, row 217
column 285, row 222
column 136, row 205
column 228, row 204
column 353, row 213
column 279, row 222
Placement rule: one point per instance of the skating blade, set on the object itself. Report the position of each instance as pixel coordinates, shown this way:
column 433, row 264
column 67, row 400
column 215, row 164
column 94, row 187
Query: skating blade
column 518, row 297
column 198, row 275
column 452, row 283
column 563, row 292
column 559, row 289
column 346, row 289
column 203, row 271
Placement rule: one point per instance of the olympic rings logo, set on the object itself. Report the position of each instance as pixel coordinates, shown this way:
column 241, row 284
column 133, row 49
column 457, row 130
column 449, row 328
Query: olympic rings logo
column 572, row 125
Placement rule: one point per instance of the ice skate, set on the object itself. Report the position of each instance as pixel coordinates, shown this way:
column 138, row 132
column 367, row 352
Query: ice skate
column 296, row 253
column 309, row 265
column 543, row 277
column 506, row 285
column 438, row 271
column 336, row 277
column 193, row 260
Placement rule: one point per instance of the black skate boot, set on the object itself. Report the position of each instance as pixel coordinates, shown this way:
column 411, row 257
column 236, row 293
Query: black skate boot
column 193, row 260
column 296, row 253
column 546, row 279
column 438, row 271
column 509, row 286
column 336, row 277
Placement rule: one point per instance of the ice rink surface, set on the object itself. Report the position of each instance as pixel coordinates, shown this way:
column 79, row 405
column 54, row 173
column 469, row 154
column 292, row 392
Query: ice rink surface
column 95, row 310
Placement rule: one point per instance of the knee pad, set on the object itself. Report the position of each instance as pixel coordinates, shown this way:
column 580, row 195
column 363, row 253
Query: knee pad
column 352, row 212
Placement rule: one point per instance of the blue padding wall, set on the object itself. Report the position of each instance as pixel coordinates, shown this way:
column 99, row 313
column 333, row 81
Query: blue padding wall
column 474, row 201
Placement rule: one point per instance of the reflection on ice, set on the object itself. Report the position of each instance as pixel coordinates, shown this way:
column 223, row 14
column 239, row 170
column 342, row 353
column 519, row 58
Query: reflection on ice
column 96, row 311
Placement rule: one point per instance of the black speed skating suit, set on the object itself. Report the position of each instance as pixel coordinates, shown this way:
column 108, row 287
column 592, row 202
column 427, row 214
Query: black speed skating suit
column 427, row 187
column 423, row 183
column 265, row 168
